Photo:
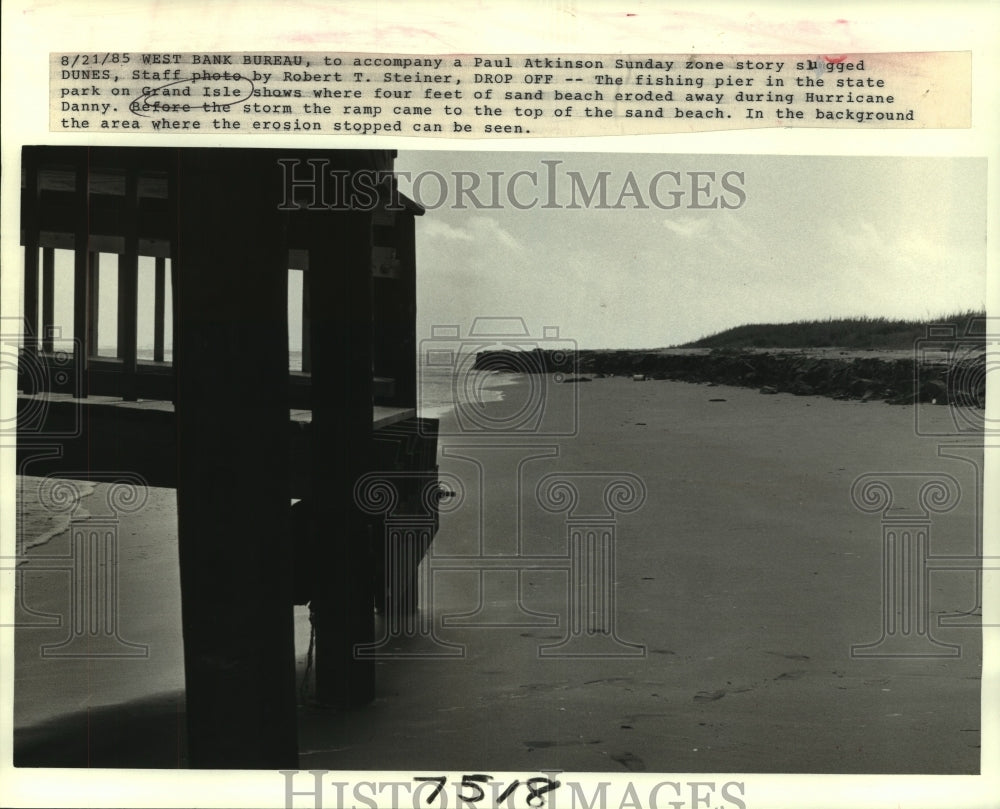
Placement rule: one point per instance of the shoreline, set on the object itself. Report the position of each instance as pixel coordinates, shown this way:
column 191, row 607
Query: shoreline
column 43, row 524
column 490, row 390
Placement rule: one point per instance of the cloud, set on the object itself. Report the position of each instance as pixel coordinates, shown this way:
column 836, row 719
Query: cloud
column 437, row 229
column 687, row 228
column 481, row 230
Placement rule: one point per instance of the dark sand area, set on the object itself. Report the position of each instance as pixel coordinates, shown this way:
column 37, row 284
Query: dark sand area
column 741, row 584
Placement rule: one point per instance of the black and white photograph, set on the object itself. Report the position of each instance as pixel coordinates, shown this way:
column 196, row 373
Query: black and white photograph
column 413, row 474
column 674, row 516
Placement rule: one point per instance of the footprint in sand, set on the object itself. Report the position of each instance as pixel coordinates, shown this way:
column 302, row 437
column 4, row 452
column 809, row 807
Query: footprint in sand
column 630, row 761
column 632, row 718
column 790, row 675
column 610, row 680
column 709, row 696
column 539, row 745
column 788, row 657
column 542, row 687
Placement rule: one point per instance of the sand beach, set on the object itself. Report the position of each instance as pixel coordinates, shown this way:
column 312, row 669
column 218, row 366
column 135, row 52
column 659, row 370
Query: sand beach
column 740, row 583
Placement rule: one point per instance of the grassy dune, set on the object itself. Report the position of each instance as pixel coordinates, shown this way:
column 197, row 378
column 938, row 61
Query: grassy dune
column 857, row 333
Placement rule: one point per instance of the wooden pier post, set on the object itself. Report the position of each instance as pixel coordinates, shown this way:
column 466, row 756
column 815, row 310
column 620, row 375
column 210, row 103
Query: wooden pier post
column 29, row 203
column 48, row 297
column 128, row 286
column 231, row 363
column 31, row 331
column 340, row 297
column 306, row 325
column 406, row 314
column 82, row 349
column 159, row 307
column 94, row 304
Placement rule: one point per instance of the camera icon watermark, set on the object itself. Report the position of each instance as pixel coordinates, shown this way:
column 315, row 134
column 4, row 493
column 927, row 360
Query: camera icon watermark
column 40, row 373
column 951, row 367
column 91, row 563
column 468, row 367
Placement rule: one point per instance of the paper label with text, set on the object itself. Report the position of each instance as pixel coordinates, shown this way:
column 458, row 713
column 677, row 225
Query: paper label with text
column 503, row 96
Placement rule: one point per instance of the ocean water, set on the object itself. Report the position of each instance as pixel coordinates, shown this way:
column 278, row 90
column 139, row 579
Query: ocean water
column 441, row 390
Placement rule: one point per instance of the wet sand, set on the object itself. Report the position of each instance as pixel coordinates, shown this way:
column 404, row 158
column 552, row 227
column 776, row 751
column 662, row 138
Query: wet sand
column 741, row 584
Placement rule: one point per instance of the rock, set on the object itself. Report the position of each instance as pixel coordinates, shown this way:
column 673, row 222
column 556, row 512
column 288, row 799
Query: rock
column 934, row 390
column 768, row 389
column 860, row 386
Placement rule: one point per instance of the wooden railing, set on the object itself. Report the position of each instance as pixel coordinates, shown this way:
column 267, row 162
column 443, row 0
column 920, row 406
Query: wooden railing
column 117, row 210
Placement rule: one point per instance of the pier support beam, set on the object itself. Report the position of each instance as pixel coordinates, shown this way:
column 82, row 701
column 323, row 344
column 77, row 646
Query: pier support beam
column 233, row 495
column 29, row 216
column 128, row 287
column 159, row 307
column 340, row 295
column 81, row 262
column 48, row 298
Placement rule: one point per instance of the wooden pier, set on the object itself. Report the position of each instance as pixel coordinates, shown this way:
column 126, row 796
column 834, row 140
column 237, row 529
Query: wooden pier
column 216, row 413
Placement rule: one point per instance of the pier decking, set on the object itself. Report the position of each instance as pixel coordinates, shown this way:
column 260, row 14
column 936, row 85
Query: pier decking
column 216, row 413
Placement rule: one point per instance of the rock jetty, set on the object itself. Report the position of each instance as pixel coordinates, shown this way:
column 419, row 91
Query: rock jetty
column 902, row 379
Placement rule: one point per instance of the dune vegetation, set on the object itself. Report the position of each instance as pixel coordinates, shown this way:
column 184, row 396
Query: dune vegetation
column 852, row 333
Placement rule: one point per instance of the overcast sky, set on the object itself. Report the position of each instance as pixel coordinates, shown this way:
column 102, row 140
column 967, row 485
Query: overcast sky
column 816, row 237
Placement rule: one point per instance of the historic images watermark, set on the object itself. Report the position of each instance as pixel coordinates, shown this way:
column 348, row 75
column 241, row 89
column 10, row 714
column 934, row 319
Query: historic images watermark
column 39, row 367
column 590, row 504
column 407, row 506
column 505, row 438
column 53, row 505
column 503, row 345
column 950, row 369
column 906, row 503
column 313, row 790
column 90, row 564
column 951, row 366
column 501, row 442
column 311, row 184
